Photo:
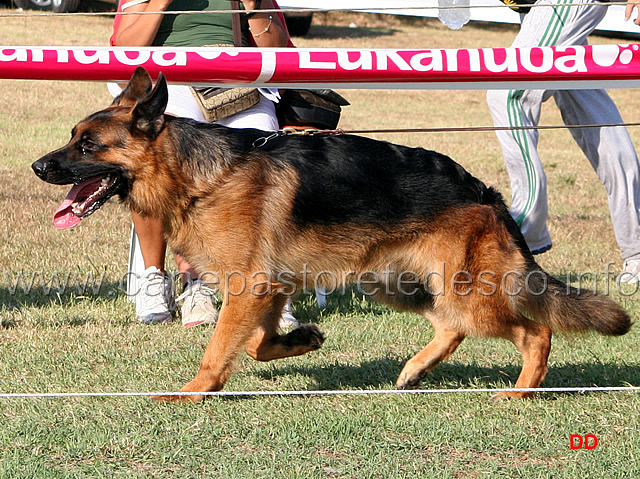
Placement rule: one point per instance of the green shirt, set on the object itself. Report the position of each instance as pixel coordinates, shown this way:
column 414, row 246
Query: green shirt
column 193, row 30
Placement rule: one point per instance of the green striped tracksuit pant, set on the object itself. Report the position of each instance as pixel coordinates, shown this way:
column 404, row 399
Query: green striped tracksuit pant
column 609, row 149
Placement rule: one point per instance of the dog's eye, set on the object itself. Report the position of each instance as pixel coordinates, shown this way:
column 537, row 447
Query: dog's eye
column 88, row 146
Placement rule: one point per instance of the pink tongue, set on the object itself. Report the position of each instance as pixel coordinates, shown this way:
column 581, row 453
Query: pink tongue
column 64, row 217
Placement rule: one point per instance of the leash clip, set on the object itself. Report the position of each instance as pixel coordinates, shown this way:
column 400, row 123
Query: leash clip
column 260, row 142
column 290, row 130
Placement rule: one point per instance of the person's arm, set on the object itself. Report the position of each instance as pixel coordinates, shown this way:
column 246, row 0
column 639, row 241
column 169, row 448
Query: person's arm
column 141, row 30
column 629, row 12
column 266, row 28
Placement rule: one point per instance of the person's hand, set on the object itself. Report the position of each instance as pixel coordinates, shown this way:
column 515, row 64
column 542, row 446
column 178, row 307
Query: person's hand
column 628, row 12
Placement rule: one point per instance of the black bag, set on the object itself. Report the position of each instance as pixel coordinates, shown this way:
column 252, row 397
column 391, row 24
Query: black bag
column 310, row 108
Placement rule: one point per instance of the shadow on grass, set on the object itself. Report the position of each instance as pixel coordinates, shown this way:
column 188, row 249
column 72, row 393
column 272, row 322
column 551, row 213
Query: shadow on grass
column 350, row 303
column 326, row 32
column 14, row 297
column 382, row 374
column 20, row 296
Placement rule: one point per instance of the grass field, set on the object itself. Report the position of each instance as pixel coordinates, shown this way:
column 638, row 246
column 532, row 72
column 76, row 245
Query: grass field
column 66, row 326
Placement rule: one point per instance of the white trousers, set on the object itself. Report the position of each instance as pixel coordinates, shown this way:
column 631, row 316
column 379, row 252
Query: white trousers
column 182, row 103
column 609, row 150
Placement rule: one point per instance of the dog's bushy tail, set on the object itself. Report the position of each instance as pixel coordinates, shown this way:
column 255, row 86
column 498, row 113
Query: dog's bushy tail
column 550, row 301
column 564, row 308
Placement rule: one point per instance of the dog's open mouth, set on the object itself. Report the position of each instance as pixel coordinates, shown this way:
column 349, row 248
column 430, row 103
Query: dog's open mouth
column 83, row 199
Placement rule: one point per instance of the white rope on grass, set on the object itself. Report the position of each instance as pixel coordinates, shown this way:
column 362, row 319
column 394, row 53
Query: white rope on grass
column 346, row 392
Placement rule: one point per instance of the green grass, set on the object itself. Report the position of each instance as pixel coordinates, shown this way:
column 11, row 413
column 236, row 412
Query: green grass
column 71, row 340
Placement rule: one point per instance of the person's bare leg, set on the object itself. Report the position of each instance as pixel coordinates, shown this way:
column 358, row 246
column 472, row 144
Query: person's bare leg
column 154, row 302
column 152, row 243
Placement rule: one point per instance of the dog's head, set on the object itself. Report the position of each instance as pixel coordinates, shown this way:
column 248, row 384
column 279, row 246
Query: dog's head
column 101, row 159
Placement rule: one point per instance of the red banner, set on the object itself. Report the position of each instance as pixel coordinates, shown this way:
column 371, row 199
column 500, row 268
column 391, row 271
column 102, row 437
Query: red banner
column 572, row 67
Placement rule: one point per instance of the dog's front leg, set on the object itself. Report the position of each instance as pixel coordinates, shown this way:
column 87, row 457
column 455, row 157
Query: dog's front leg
column 268, row 344
column 241, row 314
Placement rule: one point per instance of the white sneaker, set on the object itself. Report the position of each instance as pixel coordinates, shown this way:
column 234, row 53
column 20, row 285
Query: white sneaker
column 198, row 307
column 630, row 272
column 287, row 321
column 154, row 301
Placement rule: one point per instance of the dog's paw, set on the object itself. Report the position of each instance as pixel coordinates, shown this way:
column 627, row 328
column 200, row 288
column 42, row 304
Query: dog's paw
column 307, row 335
column 189, row 398
column 406, row 381
column 193, row 387
column 505, row 396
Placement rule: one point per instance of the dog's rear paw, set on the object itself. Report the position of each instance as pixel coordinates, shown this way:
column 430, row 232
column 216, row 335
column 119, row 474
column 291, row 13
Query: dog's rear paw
column 510, row 395
column 306, row 335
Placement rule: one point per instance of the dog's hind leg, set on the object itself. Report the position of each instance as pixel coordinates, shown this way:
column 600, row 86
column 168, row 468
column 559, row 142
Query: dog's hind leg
column 267, row 344
column 534, row 342
column 421, row 301
column 440, row 348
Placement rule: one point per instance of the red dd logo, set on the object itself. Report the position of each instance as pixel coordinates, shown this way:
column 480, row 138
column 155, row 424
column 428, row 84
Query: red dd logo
column 588, row 441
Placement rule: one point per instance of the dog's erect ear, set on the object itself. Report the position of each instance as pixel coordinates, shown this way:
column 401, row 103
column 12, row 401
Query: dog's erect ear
column 148, row 114
column 138, row 87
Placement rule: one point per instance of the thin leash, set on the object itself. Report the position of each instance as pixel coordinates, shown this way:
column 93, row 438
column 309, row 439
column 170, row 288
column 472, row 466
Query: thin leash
column 288, row 131
column 341, row 131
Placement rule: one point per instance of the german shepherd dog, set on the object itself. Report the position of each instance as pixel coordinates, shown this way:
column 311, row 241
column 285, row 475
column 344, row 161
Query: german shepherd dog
column 271, row 213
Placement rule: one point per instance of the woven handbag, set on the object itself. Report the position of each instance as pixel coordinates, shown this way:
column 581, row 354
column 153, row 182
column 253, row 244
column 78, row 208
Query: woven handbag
column 217, row 103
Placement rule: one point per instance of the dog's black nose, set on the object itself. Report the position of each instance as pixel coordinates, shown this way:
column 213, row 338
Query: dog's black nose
column 39, row 167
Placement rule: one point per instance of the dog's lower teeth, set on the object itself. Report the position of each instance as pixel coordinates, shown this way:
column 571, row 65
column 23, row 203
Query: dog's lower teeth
column 83, row 206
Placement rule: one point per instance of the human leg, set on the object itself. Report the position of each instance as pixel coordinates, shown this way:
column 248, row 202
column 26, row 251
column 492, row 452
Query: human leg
column 261, row 116
column 154, row 298
column 563, row 24
column 613, row 157
column 519, row 109
column 516, row 109
column 152, row 243
column 609, row 149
